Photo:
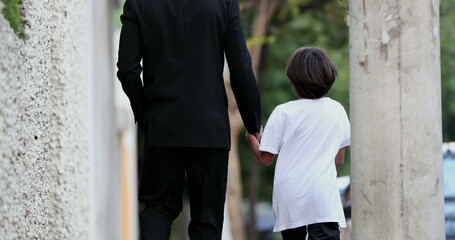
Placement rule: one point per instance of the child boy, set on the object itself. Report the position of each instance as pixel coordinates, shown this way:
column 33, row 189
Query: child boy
column 309, row 136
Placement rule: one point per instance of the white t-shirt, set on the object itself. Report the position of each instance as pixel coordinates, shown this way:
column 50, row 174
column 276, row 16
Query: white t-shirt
column 306, row 134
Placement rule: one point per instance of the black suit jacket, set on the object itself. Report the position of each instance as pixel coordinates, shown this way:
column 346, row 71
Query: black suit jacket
column 182, row 101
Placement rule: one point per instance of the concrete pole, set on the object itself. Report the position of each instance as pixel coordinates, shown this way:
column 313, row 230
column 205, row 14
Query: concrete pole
column 396, row 120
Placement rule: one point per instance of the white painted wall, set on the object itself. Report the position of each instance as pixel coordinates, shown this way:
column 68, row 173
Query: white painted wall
column 104, row 143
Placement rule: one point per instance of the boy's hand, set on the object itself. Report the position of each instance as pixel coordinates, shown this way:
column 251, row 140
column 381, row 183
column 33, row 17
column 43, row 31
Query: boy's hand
column 252, row 138
column 257, row 135
column 265, row 158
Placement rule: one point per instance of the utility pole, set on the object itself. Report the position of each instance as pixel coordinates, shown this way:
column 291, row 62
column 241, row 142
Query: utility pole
column 395, row 97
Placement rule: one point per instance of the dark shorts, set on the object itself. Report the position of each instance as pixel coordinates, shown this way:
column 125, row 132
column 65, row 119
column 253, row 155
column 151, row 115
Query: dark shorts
column 317, row 231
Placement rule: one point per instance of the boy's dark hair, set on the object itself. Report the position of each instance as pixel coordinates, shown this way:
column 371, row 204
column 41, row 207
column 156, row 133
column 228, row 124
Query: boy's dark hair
column 311, row 72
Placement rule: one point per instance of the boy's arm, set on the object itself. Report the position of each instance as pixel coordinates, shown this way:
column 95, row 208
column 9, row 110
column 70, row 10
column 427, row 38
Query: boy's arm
column 265, row 158
column 339, row 158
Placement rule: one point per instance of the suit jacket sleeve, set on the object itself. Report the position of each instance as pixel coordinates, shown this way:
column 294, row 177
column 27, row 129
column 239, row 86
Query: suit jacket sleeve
column 243, row 82
column 129, row 59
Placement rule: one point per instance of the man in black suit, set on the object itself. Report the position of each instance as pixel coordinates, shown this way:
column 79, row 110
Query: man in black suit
column 182, row 105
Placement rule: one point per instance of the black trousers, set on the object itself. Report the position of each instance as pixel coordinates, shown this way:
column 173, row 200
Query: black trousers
column 162, row 177
column 317, row 231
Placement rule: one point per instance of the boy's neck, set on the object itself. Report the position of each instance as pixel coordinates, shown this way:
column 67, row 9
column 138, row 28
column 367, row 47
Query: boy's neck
column 302, row 98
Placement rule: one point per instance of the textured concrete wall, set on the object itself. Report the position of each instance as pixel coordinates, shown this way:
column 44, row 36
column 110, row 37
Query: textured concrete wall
column 44, row 190
column 395, row 100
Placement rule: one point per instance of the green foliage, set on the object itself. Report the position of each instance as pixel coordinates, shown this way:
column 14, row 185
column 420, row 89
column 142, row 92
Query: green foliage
column 117, row 13
column 322, row 23
column 447, row 26
column 295, row 26
column 13, row 15
column 261, row 40
column 298, row 23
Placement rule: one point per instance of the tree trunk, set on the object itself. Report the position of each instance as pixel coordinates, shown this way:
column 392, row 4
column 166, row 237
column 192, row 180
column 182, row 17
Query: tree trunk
column 261, row 23
column 253, row 187
column 265, row 10
column 234, row 185
column 396, row 120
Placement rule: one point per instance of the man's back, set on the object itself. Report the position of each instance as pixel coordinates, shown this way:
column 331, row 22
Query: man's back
column 182, row 45
column 182, row 105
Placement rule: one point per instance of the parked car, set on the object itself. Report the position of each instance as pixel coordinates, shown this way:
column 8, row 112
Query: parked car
column 344, row 186
column 449, row 188
column 448, row 150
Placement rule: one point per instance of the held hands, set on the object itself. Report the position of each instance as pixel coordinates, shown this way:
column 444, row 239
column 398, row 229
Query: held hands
column 254, row 138
column 265, row 158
